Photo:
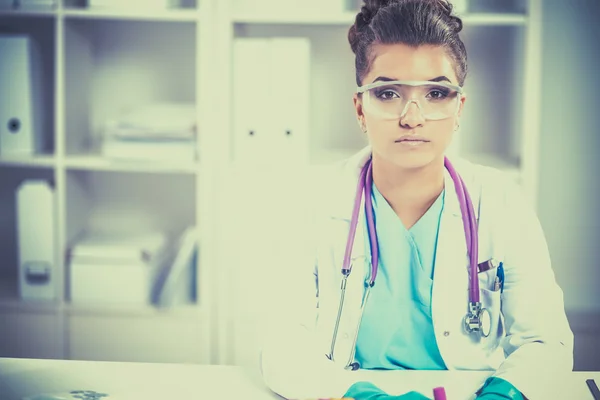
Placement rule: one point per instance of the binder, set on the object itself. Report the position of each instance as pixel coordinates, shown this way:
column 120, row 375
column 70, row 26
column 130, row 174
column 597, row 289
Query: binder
column 19, row 95
column 290, row 91
column 251, row 105
column 271, row 89
column 35, row 238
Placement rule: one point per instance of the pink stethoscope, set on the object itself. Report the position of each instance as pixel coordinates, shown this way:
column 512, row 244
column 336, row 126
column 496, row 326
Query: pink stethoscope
column 477, row 318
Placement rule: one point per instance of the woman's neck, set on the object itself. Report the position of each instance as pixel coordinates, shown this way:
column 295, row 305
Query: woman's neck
column 410, row 192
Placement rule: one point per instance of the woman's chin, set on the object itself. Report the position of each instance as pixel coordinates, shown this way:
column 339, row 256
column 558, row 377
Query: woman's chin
column 413, row 159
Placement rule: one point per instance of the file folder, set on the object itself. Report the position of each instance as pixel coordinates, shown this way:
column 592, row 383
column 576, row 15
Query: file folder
column 271, row 101
column 18, row 95
column 36, row 240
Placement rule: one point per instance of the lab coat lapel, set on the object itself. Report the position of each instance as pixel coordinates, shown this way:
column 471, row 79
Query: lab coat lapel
column 450, row 282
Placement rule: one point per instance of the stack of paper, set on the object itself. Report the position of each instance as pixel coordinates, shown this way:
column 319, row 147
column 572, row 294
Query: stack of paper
column 161, row 131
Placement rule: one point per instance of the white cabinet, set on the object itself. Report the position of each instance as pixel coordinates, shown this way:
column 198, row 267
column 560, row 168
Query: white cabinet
column 98, row 64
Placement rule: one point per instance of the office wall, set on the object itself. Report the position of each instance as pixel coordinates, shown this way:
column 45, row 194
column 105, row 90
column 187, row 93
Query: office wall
column 570, row 163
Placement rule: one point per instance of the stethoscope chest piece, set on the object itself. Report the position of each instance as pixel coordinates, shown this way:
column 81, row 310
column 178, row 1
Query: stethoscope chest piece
column 478, row 319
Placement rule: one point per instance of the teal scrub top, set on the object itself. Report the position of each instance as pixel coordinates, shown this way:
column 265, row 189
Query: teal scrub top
column 396, row 331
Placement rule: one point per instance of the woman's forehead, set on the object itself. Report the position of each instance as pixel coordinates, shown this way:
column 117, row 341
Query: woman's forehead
column 403, row 62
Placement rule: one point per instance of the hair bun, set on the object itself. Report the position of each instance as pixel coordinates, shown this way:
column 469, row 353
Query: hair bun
column 446, row 8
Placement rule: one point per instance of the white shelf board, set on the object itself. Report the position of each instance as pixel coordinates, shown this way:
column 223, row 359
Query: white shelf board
column 99, row 163
column 34, row 12
column 27, row 161
column 344, row 18
column 182, row 312
column 185, row 15
column 347, row 18
column 494, row 19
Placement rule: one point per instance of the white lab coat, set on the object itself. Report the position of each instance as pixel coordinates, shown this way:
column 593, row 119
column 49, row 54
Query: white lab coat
column 530, row 344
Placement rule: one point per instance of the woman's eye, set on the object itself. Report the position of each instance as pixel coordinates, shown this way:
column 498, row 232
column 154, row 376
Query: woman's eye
column 387, row 95
column 437, row 94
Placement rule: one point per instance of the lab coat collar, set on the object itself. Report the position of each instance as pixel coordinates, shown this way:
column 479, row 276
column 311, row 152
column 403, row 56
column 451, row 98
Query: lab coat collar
column 341, row 207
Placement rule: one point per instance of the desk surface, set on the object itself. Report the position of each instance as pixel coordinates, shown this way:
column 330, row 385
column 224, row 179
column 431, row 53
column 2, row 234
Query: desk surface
column 25, row 377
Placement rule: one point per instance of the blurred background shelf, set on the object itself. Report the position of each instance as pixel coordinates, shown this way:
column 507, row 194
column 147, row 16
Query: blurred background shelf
column 5, row 13
column 189, row 312
column 43, row 161
column 100, row 163
column 347, row 18
column 173, row 15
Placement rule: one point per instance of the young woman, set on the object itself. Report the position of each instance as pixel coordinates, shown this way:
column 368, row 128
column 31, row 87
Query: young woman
column 421, row 262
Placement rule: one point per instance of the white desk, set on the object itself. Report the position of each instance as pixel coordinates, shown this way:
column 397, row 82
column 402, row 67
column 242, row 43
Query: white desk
column 22, row 377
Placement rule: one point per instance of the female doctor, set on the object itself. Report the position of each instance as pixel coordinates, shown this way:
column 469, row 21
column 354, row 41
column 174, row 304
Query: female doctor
column 421, row 262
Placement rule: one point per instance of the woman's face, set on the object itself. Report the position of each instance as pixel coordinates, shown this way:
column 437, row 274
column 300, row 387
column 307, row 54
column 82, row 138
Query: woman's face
column 402, row 62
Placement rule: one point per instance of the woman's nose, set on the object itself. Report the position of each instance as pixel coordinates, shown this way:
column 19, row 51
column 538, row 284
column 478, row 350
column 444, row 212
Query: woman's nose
column 412, row 115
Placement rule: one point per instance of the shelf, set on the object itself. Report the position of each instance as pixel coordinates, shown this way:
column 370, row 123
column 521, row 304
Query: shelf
column 10, row 301
column 347, row 18
column 44, row 161
column 494, row 19
column 28, row 13
column 183, row 312
column 344, row 18
column 99, row 163
column 129, row 14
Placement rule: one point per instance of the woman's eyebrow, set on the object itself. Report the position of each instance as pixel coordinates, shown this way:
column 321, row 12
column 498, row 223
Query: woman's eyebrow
column 437, row 79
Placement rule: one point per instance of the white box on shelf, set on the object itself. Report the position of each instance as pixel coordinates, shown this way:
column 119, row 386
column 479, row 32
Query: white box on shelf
column 36, row 244
column 270, row 127
column 20, row 96
column 116, row 269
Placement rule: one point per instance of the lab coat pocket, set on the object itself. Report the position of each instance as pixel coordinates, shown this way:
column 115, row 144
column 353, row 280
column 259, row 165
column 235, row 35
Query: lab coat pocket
column 491, row 300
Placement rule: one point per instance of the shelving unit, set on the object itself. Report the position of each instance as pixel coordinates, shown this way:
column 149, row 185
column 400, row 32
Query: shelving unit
column 99, row 62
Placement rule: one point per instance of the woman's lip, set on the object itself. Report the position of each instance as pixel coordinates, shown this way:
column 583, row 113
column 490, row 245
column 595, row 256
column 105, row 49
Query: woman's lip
column 411, row 140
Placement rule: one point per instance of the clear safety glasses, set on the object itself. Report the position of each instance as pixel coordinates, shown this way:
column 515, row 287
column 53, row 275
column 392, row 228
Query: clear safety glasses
column 391, row 99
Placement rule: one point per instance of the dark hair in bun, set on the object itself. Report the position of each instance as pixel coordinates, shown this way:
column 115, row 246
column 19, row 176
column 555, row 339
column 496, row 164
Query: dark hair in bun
column 411, row 22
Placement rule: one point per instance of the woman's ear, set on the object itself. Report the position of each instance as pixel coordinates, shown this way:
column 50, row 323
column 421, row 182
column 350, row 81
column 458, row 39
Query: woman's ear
column 360, row 116
column 463, row 99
